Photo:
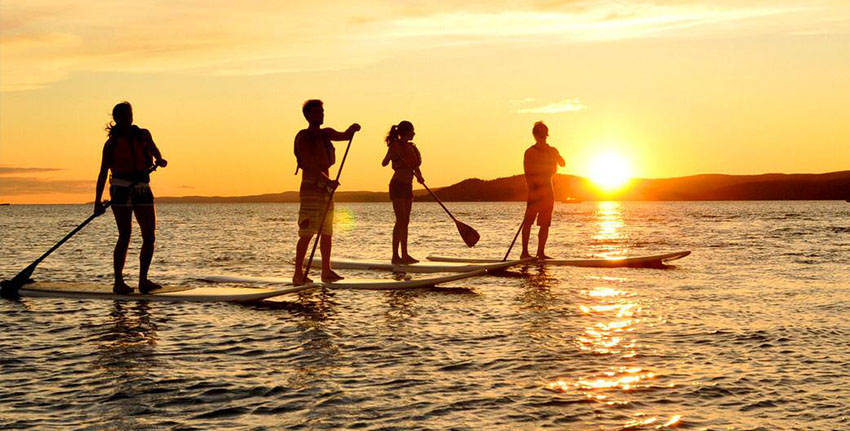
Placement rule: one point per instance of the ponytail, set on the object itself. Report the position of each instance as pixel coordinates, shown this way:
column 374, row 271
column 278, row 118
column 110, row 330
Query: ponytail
column 393, row 135
column 397, row 130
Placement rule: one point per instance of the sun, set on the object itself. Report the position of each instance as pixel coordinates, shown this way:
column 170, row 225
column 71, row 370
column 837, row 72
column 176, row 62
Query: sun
column 610, row 171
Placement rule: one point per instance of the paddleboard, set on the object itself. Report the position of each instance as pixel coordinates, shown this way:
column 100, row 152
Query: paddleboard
column 167, row 293
column 421, row 267
column 352, row 283
column 637, row 261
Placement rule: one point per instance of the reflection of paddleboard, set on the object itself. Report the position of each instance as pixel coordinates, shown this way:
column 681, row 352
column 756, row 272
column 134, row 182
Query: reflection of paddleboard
column 639, row 261
column 352, row 283
column 189, row 294
column 417, row 267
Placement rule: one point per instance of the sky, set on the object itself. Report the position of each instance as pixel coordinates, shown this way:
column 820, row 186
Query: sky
column 671, row 87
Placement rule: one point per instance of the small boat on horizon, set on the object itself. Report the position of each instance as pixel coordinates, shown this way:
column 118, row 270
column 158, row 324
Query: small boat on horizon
column 571, row 200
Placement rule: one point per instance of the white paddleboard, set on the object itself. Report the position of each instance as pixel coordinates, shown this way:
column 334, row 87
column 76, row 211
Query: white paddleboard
column 421, row 267
column 637, row 261
column 352, row 283
column 174, row 294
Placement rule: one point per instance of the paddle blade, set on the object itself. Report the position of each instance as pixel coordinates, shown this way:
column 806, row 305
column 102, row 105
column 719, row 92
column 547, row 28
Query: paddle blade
column 9, row 288
column 470, row 236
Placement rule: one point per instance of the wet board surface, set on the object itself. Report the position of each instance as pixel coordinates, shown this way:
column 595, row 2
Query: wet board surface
column 421, row 267
column 168, row 293
column 352, row 283
column 636, row 261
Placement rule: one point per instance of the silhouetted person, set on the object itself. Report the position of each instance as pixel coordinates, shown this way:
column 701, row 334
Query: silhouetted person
column 128, row 154
column 540, row 163
column 315, row 155
column 405, row 160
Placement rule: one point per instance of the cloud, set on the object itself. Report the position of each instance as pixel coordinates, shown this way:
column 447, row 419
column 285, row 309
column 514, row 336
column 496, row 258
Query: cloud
column 16, row 186
column 46, row 41
column 566, row 105
column 5, row 170
column 13, row 185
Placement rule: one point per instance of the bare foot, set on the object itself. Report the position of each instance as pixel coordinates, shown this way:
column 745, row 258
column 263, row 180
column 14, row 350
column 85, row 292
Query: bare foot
column 542, row 257
column 301, row 280
column 121, row 288
column 408, row 259
column 397, row 260
column 525, row 255
column 148, row 286
column 331, row 276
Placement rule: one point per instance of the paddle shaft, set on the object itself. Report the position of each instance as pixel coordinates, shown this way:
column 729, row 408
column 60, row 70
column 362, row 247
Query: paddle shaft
column 327, row 208
column 514, row 241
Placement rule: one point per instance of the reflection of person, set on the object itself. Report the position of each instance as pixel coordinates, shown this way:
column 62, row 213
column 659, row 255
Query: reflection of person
column 315, row 155
column 129, row 153
column 540, row 164
column 405, row 160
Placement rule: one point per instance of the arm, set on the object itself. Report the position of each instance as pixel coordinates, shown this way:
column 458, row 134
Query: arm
column 416, row 171
column 153, row 150
column 333, row 135
column 101, row 178
column 561, row 161
column 388, row 157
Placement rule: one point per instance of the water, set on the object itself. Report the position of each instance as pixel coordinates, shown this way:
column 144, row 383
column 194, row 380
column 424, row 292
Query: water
column 750, row 332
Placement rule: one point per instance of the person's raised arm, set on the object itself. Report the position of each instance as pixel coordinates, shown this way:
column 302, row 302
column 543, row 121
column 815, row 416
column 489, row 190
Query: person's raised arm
column 101, row 178
column 154, row 151
column 389, row 156
column 333, row 135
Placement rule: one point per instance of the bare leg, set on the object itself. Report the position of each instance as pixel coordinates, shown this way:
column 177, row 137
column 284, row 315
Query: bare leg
column 325, row 244
column 146, row 217
column 124, row 221
column 526, row 232
column 300, row 253
column 542, row 236
column 408, row 206
column 398, row 208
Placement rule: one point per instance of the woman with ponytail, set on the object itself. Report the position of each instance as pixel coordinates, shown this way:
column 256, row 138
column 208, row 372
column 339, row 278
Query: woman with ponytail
column 405, row 160
column 129, row 153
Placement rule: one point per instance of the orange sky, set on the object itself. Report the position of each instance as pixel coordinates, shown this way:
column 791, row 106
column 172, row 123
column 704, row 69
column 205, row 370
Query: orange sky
column 675, row 87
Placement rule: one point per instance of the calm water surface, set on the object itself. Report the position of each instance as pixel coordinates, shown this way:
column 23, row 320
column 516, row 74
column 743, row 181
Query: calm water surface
column 750, row 332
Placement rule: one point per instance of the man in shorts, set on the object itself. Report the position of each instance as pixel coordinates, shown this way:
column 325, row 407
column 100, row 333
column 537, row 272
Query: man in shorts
column 315, row 155
column 540, row 164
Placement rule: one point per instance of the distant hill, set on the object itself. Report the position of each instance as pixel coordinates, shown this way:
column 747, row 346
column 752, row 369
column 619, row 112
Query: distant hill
column 830, row 186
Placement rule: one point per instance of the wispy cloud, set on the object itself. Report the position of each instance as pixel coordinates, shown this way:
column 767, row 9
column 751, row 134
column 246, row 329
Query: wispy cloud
column 12, row 184
column 566, row 105
column 16, row 186
column 46, row 41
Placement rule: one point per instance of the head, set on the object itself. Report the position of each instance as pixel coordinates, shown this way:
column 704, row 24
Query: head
column 314, row 111
column 540, row 131
column 122, row 117
column 402, row 131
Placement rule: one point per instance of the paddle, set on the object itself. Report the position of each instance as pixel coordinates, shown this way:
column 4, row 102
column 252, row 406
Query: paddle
column 470, row 236
column 9, row 288
column 327, row 208
column 514, row 241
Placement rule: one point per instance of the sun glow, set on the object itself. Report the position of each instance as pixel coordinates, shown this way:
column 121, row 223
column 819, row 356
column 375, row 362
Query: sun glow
column 609, row 171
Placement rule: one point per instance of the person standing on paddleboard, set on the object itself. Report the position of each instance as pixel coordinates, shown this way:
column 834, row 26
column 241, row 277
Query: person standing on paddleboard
column 315, row 154
column 129, row 153
column 540, row 164
column 405, row 160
